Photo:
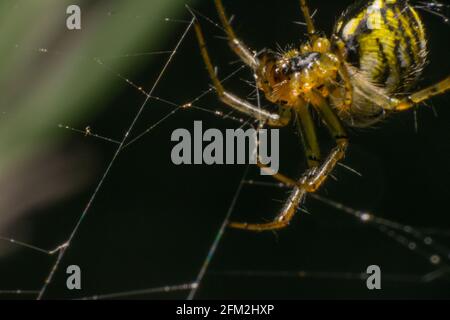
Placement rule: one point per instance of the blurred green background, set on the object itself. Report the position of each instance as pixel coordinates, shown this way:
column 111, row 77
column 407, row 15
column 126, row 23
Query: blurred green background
column 40, row 89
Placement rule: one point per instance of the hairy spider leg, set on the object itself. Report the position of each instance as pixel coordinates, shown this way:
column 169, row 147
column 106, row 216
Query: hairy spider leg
column 344, row 72
column 422, row 95
column 306, row 127
column 236, row 45
column 309, row 20
column 282, row 220
column 273, row 119
column 283, row 179
column 314, row 178
column 339, row 134
column 305, row 124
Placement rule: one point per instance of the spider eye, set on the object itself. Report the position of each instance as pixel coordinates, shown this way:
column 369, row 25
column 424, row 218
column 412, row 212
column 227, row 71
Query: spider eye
column 285, row 68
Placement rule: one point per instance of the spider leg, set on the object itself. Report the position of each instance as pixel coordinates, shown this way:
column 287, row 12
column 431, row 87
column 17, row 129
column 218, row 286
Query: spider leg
column 421, row 96
column 344, row 73
column 314, row 178
column 274, row 119
column 305, row 124
column 236, row 45
column 282, row 220
column 285, row 180
column 308, row 184
column 309, row 20
column 337, row 130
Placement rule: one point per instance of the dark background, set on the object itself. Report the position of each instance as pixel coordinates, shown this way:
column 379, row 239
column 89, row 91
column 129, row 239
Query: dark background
column 153, row 223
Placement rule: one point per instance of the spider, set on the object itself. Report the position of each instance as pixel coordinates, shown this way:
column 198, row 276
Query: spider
column 353, row 78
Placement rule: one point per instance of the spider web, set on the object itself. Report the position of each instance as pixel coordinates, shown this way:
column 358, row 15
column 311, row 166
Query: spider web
column 216, row 260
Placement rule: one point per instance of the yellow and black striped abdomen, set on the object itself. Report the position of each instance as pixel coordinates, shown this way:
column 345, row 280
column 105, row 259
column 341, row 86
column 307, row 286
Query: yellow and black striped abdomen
column 386, row 40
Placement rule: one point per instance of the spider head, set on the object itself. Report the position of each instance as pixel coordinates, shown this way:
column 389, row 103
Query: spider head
column 289, row 76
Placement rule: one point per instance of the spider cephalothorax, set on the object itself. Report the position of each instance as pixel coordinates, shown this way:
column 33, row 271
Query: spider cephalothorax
column 376, row 51
column 288, row 77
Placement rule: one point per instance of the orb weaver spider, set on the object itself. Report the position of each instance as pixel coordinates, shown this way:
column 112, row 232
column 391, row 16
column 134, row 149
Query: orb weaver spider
column 353, row 78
